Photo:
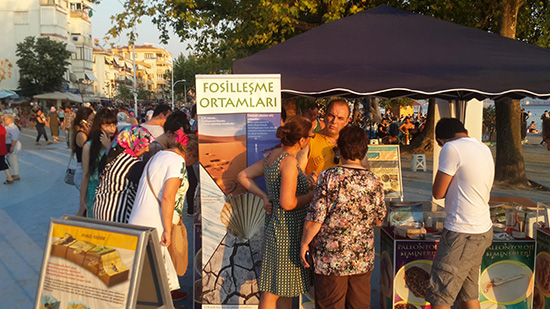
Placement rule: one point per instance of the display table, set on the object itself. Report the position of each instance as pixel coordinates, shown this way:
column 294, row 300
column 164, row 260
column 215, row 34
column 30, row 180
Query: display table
column 542, row 273
column 405, row 265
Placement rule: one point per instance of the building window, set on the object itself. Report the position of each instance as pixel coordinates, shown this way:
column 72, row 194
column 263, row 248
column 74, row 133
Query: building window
column 21, row 18
column 149, row 55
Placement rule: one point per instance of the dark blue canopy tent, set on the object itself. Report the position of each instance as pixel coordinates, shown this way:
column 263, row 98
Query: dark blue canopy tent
column 388, row 52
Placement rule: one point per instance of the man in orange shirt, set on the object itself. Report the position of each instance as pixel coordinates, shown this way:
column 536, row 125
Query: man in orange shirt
column 322, row 152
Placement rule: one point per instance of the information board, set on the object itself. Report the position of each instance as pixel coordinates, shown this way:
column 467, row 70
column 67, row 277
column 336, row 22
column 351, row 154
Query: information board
column 385, row 163
column 90, row 263
column 238, row 116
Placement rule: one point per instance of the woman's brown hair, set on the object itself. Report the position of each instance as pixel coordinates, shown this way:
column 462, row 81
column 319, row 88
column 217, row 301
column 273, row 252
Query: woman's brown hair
column 353, row 143
column 293, row 130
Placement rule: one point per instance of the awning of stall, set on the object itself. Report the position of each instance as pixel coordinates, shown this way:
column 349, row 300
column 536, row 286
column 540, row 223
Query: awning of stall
column 63, row 96
column 94, row 99
column 388, row 52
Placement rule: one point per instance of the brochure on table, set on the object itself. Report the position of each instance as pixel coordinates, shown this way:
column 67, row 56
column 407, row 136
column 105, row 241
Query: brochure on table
column 238, row 116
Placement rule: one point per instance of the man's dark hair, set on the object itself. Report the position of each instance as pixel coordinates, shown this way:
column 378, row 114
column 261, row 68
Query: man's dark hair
column 310, row 106
column 447, row 128
column 162, row 109
column 353, row 143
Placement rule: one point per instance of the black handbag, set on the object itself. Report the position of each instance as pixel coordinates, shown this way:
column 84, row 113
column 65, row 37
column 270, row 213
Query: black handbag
column 69, row 174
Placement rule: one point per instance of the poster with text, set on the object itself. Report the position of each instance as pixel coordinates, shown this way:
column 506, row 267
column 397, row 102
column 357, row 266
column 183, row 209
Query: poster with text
column 507, row 275
column 238, row 116
column 385, row 163
column 87, row 268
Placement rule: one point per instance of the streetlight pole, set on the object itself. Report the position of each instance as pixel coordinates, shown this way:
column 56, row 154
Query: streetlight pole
column 135, row 81
column 172, row 69
column 172, row 80
column 184, row 87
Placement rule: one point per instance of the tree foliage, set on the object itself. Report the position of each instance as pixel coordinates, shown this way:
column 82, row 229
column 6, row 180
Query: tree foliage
column 235, row 29
column 124, row 93
column 42, row 65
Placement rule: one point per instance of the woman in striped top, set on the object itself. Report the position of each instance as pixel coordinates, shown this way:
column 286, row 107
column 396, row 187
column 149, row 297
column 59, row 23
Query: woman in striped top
column 116, row 191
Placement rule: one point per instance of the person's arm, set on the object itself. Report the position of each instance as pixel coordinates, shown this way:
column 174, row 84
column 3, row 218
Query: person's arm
column 310, row 230
column 441, row 184
column 81, row 139
column 168, row 199
column 289, row 179
column 85, row 180
column 246, row 179
column 302, row 157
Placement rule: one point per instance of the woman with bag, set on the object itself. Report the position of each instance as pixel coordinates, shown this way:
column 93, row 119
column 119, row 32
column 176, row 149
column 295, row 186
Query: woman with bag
column 118, row 183
column 81, row 126
column 347, row 205
column 282, row 276
column 160, row 197
column 102, row 132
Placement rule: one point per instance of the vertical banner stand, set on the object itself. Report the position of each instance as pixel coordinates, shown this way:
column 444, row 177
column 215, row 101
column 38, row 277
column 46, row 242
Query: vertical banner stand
column 90, row 263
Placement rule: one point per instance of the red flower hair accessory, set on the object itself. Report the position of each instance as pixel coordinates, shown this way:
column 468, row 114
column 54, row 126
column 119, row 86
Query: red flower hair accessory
column 181, row 137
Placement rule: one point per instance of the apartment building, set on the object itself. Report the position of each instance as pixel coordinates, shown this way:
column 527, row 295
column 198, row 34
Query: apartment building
column 115, row 66
column 66, row 21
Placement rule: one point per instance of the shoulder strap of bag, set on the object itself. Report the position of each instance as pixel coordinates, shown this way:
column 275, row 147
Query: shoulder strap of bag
column 70, row 159
column 150, row 185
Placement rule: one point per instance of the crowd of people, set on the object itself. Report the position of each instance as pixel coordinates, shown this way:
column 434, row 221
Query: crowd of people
column 322, row 202
column 128, row 170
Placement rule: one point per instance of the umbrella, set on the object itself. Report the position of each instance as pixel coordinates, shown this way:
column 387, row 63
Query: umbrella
column 7, row 94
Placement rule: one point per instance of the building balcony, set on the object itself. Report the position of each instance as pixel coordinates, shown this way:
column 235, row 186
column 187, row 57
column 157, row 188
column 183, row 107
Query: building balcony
column 80, row 14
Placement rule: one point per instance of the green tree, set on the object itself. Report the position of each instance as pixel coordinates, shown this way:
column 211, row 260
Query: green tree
column 124, row 93
column 42, row 65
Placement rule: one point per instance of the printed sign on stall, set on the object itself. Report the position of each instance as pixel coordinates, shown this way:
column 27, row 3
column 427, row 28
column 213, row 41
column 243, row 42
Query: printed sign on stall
column 507, row 274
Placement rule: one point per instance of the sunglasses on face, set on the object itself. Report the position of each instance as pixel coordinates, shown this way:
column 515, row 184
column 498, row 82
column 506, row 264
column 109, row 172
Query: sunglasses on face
column 336, row 155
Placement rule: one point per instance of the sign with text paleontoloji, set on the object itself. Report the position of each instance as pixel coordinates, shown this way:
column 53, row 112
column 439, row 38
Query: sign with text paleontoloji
column 237, row 94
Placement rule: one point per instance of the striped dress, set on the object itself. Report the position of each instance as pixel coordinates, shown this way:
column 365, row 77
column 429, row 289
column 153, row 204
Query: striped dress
column 282, row 273
column 115, row 194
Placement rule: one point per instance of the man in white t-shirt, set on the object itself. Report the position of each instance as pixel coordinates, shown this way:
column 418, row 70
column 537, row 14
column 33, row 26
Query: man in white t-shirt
column 464, row 178
column 155, row 125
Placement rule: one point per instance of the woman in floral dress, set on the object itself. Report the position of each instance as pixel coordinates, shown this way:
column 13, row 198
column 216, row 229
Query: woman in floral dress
column 348, row 203
column 282, row 276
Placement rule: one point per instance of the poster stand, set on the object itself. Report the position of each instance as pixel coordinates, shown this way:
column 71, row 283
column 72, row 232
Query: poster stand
column 90, row 263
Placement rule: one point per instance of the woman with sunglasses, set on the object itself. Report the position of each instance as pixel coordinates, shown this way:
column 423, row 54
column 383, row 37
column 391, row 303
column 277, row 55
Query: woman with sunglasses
column 288, row 192
column 102, row 132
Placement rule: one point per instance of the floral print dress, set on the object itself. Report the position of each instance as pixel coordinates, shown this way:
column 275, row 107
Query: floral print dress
column 348, row 202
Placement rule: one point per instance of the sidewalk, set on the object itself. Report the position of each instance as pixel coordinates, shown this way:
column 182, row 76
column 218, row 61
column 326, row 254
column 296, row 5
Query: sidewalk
column 27, row 206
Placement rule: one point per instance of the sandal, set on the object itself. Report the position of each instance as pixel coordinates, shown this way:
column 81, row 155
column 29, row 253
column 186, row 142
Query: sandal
column 8, row 182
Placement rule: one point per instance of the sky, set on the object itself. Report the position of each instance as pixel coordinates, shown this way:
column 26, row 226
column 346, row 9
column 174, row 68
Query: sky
column 147, row 31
